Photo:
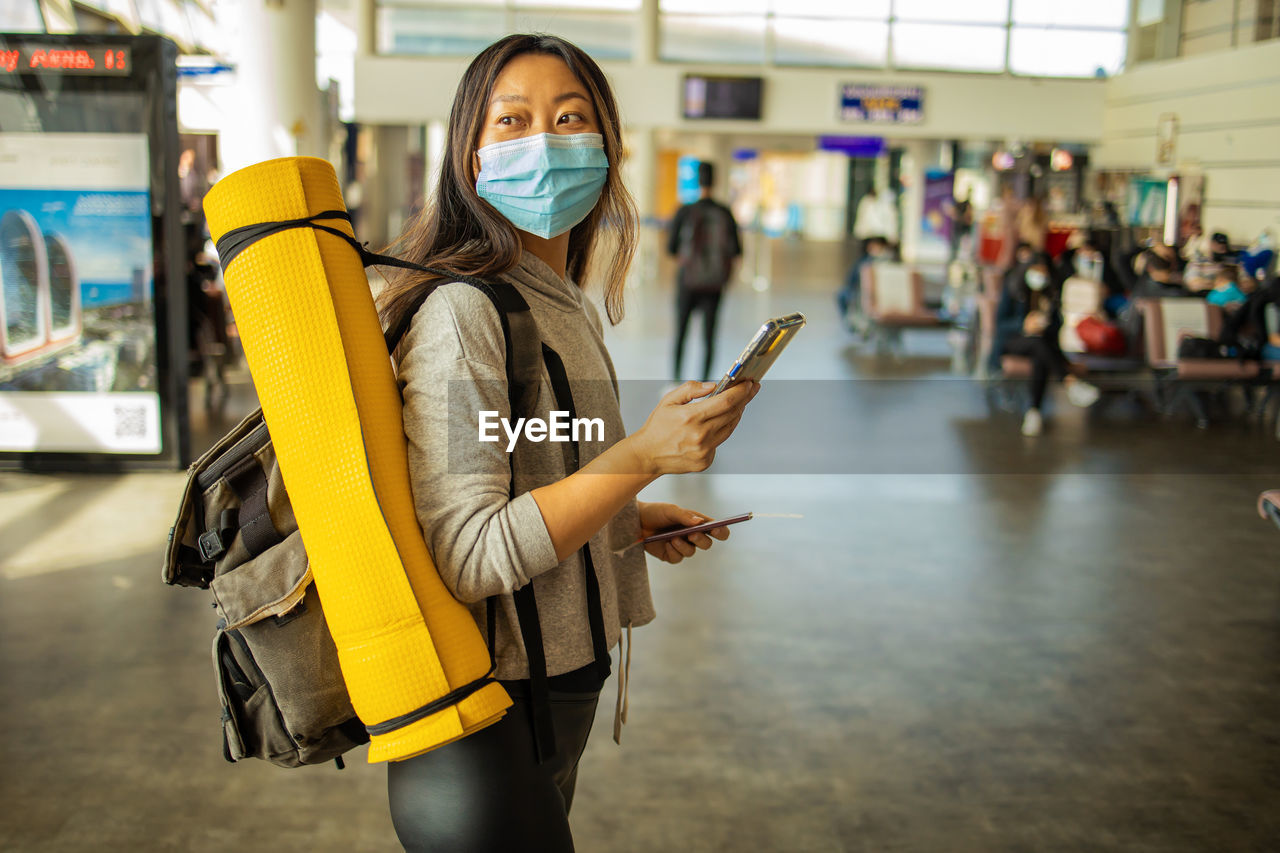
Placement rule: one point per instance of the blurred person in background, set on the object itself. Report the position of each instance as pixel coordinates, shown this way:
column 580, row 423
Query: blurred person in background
column 849, row 299
column 704, row 239
column 1220, row 248
column 1028, row 321
column 1158, row 273
column 1082, row 258
column 876, row 218
column 1032, row 224
column 961, row 223
column 1226, row 292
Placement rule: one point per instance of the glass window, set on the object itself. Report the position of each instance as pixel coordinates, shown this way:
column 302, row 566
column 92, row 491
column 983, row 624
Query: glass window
column 23, row 16
column 942, row 46
column 175, row 22
column 597, row 5
column 455, row 3
column 812, row 41
column 690, row 38
column 1150, row 12
column 714, row 7
column 1077, row 13
column 1065, row 53
column 439, row 32
column 950, row 11
column 602, row 36
column 150, row 15
column 866, row 9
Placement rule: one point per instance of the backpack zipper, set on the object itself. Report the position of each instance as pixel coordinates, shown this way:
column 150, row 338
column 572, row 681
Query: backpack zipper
column 248, row 444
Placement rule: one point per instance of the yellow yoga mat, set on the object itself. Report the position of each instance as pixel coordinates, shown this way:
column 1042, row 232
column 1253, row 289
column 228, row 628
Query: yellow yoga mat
column 315, row 348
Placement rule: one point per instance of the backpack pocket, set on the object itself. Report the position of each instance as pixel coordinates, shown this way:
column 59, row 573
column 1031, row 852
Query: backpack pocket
column 283, row 697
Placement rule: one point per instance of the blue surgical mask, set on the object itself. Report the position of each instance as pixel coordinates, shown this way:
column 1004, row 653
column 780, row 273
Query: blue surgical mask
column 1036, row 280
column 544, row 184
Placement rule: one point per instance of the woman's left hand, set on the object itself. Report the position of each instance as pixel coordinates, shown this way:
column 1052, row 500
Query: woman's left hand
column 656, row 517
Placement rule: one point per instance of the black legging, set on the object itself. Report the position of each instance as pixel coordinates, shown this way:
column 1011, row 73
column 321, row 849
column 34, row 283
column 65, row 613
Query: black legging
column 1046, row 360
column 487, row 793
column 687, row 302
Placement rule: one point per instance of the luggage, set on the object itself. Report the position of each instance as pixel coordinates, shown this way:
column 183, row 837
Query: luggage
column 282, row 694
column 1100, row 337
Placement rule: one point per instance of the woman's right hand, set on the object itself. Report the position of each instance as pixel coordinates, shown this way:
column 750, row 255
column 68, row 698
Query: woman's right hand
column 682, row 433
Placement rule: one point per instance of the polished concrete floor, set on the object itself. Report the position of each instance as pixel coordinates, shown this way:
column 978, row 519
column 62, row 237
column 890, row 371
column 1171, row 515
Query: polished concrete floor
column 968, row 641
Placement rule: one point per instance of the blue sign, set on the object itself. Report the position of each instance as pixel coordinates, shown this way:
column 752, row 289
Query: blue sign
column 687, row 189
column 854, row 146
column 892, row 104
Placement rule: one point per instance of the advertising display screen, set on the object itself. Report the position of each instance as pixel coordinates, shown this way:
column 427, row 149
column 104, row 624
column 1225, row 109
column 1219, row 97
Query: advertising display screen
column 78, row 367
column 92, row 334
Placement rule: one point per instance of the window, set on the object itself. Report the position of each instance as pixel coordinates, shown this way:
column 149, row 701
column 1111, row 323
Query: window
column 603, row 28
column 815, row 41
column 1049, row 52
column 1077, row 38
column 24, row 17
column 707, row 38
column 957, row 47
column 951, row 12
column 1100, row 14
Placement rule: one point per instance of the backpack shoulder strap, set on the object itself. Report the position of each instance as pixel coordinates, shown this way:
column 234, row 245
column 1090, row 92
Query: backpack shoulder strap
column 519, row 334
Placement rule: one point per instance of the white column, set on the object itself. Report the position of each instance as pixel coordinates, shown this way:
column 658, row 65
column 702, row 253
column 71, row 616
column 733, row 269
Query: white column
column 641, row 168
column 366, row 28
column 291, row 34
column 645, row 46
column 915, row 160
column 272, row 109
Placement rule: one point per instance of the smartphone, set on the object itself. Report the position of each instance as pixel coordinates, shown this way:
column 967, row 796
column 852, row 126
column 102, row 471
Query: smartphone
column 762, row 351
column 697, row 528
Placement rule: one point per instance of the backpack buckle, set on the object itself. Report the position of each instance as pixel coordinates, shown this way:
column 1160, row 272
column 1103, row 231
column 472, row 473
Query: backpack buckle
column 210, row 546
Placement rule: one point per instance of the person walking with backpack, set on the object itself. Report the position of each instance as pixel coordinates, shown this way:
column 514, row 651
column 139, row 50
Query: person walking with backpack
column 535, row 536
column 704, row 239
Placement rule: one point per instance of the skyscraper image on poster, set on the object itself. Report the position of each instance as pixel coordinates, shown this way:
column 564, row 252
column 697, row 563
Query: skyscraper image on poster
column 77, row 346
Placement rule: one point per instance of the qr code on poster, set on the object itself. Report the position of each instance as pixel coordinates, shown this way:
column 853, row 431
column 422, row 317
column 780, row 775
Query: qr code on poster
column 131, row 421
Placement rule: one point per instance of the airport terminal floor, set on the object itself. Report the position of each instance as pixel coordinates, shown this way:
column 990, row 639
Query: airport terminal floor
column 967, row 641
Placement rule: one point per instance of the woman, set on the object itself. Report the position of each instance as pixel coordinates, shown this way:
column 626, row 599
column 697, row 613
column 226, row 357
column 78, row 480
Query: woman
column 1028, row 321
column 529, row 181
column 1033, row 224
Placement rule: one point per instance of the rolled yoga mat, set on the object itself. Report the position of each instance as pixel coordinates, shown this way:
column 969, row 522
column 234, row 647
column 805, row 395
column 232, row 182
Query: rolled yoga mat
column 315, row 348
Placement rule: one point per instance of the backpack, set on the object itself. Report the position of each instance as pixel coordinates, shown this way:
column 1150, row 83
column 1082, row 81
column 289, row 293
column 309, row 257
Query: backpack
column 1200, row 348
column 1245, row 329
column 706, row 241
column 281, row 691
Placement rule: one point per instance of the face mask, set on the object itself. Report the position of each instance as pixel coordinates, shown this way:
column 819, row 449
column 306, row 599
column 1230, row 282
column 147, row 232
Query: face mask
column 544, row 184
column 1088, row 267
column 1036, row 280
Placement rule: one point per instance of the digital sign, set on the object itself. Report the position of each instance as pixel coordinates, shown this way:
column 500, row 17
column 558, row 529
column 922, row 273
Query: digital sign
column 893, row 104
column 722, row 97
column 65, row 59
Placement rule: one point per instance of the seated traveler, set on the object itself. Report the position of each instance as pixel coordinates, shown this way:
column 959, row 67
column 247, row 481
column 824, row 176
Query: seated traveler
column 1226, row 290
column 1028, row 321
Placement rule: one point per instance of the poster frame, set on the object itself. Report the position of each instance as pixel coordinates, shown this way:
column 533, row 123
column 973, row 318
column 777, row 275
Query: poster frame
column 153, row 73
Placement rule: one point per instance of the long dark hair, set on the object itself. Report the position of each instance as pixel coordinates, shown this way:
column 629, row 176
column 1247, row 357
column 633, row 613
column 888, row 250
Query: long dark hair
column 459, row 232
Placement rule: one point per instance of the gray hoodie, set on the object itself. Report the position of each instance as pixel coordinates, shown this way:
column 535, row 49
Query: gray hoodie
column 483, row 542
